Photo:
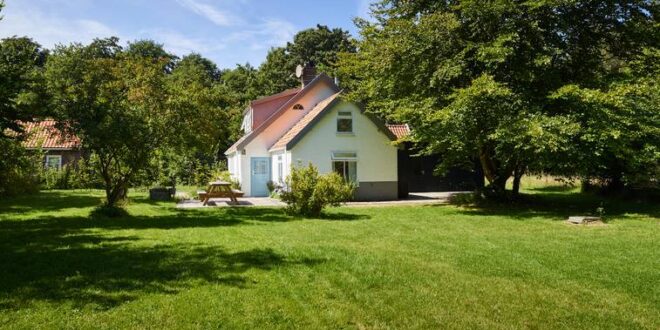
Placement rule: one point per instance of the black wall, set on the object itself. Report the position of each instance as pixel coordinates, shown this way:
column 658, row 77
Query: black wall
column 416, row 175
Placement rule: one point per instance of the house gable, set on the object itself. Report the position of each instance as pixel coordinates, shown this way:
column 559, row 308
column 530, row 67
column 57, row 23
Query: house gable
column 369, row 145
column 304, row 93
column 306, row 124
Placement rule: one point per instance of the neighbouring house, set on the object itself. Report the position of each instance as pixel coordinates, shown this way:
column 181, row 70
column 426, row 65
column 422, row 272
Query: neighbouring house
column 59, row 149
column 316, row 124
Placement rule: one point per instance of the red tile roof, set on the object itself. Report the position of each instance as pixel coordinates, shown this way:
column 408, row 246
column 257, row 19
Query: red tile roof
column 303, row 122
column 399, row 130
column 288, row 92
column 43, row 134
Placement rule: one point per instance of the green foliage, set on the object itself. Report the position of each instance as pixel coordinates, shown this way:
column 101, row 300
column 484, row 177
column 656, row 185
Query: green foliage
column 115, row 103
column 307, row 192
column 19, row 169
column 475, row 79
column 71, row 176
column 201, row 120
column 320, row 45
column 21, row 83
column 620, row 129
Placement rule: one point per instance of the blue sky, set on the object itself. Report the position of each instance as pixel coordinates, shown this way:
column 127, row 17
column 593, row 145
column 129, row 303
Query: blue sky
column 226, row 31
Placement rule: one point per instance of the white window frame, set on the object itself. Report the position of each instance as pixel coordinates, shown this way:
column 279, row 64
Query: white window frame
column 59, row 162
column 280, row 168
column 345, row 157
column 345, row 115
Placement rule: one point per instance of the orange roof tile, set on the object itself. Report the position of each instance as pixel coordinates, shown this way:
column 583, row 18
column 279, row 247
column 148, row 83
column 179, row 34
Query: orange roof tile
column 44, row 135
column 303, row 122
column 299, row 92
column 399, row 130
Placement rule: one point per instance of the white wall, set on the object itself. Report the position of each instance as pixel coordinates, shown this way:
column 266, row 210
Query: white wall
column 376, row 156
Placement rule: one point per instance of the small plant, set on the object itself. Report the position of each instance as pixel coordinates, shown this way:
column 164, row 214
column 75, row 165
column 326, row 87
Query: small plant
column 271, row 186
column 108, row 211
column 308, row 192
column 600, row 211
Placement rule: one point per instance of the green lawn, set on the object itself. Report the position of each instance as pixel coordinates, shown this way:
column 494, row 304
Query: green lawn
column 386, row 267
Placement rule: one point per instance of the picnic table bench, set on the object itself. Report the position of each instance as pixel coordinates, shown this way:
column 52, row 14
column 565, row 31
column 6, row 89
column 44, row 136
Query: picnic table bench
column 218, row 189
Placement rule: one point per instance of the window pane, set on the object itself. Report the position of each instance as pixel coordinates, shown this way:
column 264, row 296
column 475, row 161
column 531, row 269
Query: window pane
column 53, row 162
column 344, row 125
column 343, row 155
column 352, row 171
column 338, row 167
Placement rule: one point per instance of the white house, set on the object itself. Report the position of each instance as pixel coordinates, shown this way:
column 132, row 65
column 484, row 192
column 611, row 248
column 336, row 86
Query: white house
column 314, row 124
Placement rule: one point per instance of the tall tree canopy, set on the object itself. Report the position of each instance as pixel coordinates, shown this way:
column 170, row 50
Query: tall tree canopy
column 114, row 102
column 21, row 87
column 199, row 104
column 476, row 79
column 320, row 45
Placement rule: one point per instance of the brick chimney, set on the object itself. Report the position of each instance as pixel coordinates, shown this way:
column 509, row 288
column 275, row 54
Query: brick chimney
column 306, row 73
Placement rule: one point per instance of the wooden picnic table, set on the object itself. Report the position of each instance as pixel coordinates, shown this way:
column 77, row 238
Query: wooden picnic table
column 219, row 189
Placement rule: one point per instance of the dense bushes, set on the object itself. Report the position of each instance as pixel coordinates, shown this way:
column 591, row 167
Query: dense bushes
column 307, row 192
column 19, row 169
column 80, row 175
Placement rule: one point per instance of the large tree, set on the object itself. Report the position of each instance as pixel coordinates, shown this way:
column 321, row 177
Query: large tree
column 200, row 108
column 320, row 45
column 21, row 83
column 114, row 102
column 474, row 78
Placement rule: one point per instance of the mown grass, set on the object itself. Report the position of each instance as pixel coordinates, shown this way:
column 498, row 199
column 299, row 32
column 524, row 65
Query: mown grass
column 498, row 266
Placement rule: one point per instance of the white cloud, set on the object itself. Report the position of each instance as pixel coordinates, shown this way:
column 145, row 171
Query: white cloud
column 227, row 45
column 268, row 33
column 49, row 30
column 180, row 44
column 214, row 15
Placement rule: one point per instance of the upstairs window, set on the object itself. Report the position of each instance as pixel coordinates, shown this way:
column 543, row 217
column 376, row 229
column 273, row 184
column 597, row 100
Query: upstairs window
column 344, row 122
column 298, row 106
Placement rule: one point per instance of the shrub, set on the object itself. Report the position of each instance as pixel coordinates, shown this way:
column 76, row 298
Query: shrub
column 80, row 175
column 19, row 169
column 224, row 175
column 53, row 178
column 308, row 192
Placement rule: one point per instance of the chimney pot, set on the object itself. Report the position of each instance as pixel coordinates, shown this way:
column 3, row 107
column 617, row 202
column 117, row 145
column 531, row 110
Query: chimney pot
column 306, row 73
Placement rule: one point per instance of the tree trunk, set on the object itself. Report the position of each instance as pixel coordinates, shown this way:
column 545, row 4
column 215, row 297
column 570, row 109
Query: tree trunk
column 517, row 175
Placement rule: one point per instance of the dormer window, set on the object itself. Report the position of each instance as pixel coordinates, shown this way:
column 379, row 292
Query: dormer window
column 298, row 106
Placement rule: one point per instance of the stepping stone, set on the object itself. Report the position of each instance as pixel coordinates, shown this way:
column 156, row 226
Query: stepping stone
column 582, row 219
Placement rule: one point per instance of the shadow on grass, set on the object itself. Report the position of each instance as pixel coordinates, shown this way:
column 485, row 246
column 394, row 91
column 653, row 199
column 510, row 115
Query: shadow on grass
column 559, row 206
column 59, row 260
column 48, row 201
column 343, row 216
column 564, row 188
column 66, row 259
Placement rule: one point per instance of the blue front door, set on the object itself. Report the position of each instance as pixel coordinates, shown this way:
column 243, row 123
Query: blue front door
column 260, row 175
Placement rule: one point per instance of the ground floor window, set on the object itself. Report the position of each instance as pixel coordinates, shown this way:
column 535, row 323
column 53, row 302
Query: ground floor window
column 54, row 161
column 280, row 169
column 345, row 164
